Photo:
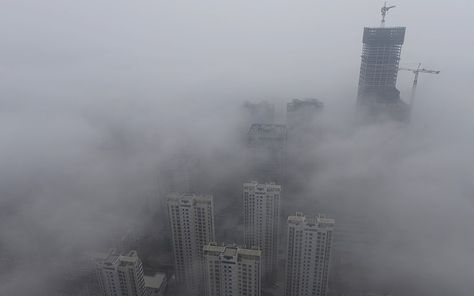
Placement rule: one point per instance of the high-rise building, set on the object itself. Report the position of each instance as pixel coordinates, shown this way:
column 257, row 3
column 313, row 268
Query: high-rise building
column 261, row 112
column 232, row 271
column 267, row 151
column 120, row 275
column 192, row 227
column 308, row 255
column 379, row 70
column 301, row 114
column 261, row 223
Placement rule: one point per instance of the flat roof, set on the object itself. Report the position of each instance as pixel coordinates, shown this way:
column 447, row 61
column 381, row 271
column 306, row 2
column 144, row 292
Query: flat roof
column 384, row 35
column 320, row 220
column 178, row 196
column 231, row 250
column 155, row 280
column 297, row 104
column 255, row 184
column 267, row 130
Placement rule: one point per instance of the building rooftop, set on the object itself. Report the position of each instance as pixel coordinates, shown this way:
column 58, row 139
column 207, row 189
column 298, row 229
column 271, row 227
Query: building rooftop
column 319, row 221
column 154, row 281
column 107, row 259
column 297, row 104
column 384, row 35
column 255, row 184
column 231, row 250
column 113, row 258
column 190, row 197
column 267, row 131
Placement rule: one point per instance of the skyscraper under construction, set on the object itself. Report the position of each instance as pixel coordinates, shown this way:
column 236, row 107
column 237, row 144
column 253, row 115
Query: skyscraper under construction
column 381, row 51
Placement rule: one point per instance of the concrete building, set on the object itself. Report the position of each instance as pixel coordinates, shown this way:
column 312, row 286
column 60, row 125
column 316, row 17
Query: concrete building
column 267, row 152
column 192, row 227
column 232, row 271
column 120, row 275
column 377, row 92
column 261, row 112
column 301, row 114
column 262, row 223
column 308, row 255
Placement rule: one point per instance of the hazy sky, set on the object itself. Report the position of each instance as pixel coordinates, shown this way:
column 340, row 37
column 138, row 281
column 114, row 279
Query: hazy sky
column 97, row 96
column 234, row 48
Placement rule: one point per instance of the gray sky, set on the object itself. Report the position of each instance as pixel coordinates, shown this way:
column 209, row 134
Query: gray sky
column 97, row 96
column 269, row 48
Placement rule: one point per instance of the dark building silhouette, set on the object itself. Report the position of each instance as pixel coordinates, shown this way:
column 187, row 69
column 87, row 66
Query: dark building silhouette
column 261, row 112
column 267, row 152
column 377, row 94
column 300, row 114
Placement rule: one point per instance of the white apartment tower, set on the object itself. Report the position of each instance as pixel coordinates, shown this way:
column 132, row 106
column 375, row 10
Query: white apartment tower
column 261, row 222
column 192, row 227
column 309, row 252
column 232, row 271
column 120, row 275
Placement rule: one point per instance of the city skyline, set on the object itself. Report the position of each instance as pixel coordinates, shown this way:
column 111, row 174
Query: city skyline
column 109, row 107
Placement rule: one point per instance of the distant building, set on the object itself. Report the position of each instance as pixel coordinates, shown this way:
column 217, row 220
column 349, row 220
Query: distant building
column 120, row 275
column 377, row 94
column 301, row 114
column 308, row 255
column 192, row 226
column 261, row 112
column 232, row 271
column 262, row 223
column 267, row 152
column 155, row 284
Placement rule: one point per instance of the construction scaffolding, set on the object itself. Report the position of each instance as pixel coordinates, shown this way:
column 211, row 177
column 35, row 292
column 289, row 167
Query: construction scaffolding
column 380, row 59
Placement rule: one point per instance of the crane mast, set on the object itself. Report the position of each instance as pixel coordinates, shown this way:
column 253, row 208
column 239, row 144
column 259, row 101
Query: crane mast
column 416, row 71
column 384, row 11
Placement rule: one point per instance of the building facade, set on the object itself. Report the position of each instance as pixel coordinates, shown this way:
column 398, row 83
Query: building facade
column 261, row 223
column 232, row 271
column 192, row 227
column 301, row 114
column 379, row 71
column 120, row 275
column 267, row 152
column 259, row 112
column 308, row 255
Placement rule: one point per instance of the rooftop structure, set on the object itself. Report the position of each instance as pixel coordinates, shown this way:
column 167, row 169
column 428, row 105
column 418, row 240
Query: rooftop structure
column 264, row 132
column 298, row 104
column 232, row 271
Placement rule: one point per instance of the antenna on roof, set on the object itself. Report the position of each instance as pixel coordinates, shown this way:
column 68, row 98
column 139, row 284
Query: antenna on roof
column 384, row 11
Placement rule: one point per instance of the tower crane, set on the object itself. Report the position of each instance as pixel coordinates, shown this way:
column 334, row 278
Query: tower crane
column 384, row 11
column 416, row 71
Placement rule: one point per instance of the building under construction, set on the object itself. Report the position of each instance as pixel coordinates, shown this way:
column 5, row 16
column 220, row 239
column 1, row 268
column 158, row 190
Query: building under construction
column 381, row 51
